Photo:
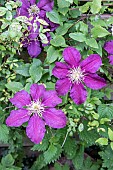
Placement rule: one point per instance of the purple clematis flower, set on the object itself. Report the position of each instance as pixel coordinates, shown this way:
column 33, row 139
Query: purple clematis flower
column 108, row 46
column 74, row 74
column 38, row 109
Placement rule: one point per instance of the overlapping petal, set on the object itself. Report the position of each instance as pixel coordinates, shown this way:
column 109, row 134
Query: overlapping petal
column 60, row 70
column 110, row 59
column 34, row 48
column 36, row 129
column 46, row 5
column 20, row 99
column 109, row 47
column 54, row 118
column 71, row 56
column 78, row 93
column 51, row 99
column 37, row 91
column 63, row 86
column 92, row 63
column 17, row 117
column 94, row 81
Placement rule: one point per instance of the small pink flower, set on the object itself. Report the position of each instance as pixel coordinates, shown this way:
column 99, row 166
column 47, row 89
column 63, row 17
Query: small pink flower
column 74, row 74
column 38, row 109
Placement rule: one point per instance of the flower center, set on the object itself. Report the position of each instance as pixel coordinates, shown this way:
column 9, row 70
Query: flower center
column 36, row 107
column 33, row 10
column 76, row 75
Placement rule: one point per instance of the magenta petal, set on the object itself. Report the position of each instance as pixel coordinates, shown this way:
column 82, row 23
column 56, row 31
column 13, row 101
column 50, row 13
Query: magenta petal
column 54, row 118
column 37, row 91
column 94, row 81
column 60, row 70
column 109, row 47
column 63, row 86
column 78, row 93
column 36, row 129
column 46, row 5
column 92, row 63
column 17, row 117
column 110, row 59
column 71, row 56
column 51, row 99
column 20, row 99
column 34, row 49
column 32, row 2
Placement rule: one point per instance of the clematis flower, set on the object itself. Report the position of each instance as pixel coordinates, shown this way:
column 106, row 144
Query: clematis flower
column 108, row 46
column 74, row 74
column 38, row 109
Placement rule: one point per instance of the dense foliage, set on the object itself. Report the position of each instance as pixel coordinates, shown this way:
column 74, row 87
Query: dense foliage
column 56, row 65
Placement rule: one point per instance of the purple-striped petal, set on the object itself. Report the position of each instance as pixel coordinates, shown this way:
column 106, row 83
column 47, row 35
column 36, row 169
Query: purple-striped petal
column 94, row 81
column 54, row 118
column 17, row 117
column 32, row 2
column 20, row 99
column 51, row 99
column 71, row 56
column 78, row 93
column 109, row 47
column 37, row 91
column 92, row 63
column 60, row 70
column 46, row 5
column 25, row 3
column 63, row 86
column 34, row 49
column 110, row 59
column 36, row 129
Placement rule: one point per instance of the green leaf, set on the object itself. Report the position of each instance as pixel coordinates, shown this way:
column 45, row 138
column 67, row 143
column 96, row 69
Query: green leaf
column 92, row 43
column 14, row 86
column 4, row 133
column 3, row 11
column 110, row 134
column 39, row 163
column 54, row 16
column 9, row 16
column 96, row 6
column 78, row 36
column 105, row 111
column 102, row 141
column 84, row 8
column 62, row 30
column 58, row 41
column 111, row 144
column 35, row 73
column 52, row 54
column 23, row 70
column 7, row 161
column 99, row 31
column 63, row 4
column 50, row 153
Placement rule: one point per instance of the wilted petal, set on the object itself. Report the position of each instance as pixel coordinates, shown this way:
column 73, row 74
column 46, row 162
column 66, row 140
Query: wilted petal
column 37, row 91
column 92, row 63
column 78, row 93
column 34, row 49
column 60, row 70
column 17, row 117
column 51, row 99
column 94, row 81
column 110, row 59
column 109, row 47
column 36, row 129
column 54, row 118
column 20, row 99
column 71, row 56
column 46, row 5
column 63, row 86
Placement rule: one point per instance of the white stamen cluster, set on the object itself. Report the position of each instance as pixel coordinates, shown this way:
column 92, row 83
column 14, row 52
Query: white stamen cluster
column 33, row 10
column 76, row 75
column 36, row 107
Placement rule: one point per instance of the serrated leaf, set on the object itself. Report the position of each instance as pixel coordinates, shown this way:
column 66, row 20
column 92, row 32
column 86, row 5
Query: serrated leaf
column 92, row 43
column 105, row 111
column 99, row 31
column 110, row 134
column 78, row 36
column 102, row 141
column 4, row 133
column 7, row 161
column 39, row 163
column 14, row 86
column 50, row 153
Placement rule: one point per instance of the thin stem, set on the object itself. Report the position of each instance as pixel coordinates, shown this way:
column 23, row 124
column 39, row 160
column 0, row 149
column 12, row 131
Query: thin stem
column 65, row 139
